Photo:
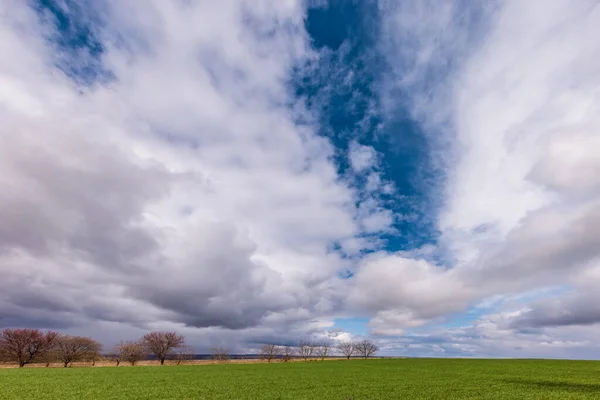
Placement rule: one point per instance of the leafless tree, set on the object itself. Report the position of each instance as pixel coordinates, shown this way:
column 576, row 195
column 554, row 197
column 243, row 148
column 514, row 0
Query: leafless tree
column 220, row 354
column 287, row 353
column 47, row 358
column 184, row 353
column 306, row 349
column 117, row 356
column 346, row 348
column 25, row 345
column 162, row 344
column 365, row 348
column 131, row 352
column 322, row 349
column 75, row 348
column 94, row 357
column 269, row 352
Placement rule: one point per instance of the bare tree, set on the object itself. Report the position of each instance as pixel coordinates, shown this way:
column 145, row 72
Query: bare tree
column 131, row 352
column 162, row 344
column 94, row 357
column 117, row 356
column 75, row 348
column 25, row 345
column 220, row 354
column 287, row 353
column 322, row 349
column 365, row 348
column 47, row 358
column 184, row 353
column 269, row 352
column 346, row 348
column 305, row 349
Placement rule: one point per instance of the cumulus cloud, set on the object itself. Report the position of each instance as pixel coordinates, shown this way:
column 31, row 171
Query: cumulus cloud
column 507, row 96
column 169, row 177
column 178, row 188
column 362, row 157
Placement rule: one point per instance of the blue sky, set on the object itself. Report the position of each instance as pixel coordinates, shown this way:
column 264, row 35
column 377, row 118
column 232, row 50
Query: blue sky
column 420, row 174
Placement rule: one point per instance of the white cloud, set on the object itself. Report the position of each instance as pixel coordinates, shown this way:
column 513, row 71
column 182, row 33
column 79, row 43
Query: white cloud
column 182, row 190
column 362, row 157
column 509, row 102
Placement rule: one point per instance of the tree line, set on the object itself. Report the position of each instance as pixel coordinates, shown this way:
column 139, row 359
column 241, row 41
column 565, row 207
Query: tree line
column 320, row 350
column 26, row 346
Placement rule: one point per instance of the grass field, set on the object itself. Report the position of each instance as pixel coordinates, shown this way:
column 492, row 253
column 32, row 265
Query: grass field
column 355, row 379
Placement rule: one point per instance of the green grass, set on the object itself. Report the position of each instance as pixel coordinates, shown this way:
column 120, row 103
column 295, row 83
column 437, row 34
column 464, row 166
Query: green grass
column 355, row 379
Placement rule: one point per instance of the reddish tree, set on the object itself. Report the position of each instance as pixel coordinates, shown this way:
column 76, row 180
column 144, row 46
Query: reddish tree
column 162, row 344
column 117, row 357
column 25, row 345
column 131, row 352
column 75, row 348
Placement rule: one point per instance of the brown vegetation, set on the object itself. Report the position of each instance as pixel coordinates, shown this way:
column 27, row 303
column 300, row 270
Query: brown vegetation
column 269, row 351
column 305, row 349
column 322, row 349
column 25, row 345
column 130, row 352
column 365, row 349
column 287, row 353
column 69, row 349
column 220, row 354
column 162, row 344
column 346, row 348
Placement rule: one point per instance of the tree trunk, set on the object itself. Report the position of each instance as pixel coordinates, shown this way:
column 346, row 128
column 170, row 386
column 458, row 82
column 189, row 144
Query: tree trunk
column 162, row 361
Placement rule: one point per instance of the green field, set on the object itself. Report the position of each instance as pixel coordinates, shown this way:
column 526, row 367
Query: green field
column 355, row 379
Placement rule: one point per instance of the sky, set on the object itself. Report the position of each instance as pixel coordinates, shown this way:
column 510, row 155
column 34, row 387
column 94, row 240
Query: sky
column 425, row 175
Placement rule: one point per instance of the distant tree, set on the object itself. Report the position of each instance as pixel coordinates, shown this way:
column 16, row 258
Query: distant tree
column 322, row 349
column 287, row 353
column 69, row 349
column 184, row 353
column 162, row 344
column 346, row 348
column 269, row 352
column 365, row 348
column 220, row 354
column 94, row 357
column 117, row 356
column 47, row 358
column 306, row 349
column 25, row 345
column 131, row 352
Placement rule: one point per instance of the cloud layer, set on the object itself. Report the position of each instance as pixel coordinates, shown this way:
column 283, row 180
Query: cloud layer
column 158, row 171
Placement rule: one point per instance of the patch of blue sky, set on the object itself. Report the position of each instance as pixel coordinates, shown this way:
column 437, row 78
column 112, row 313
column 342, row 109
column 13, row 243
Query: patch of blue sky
column 496, row 304
column 75, row 37
column 343, row 89
column 355, row 326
